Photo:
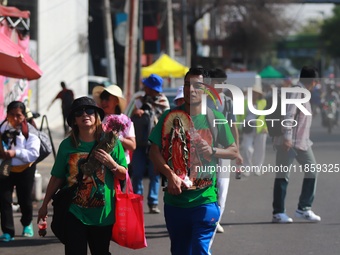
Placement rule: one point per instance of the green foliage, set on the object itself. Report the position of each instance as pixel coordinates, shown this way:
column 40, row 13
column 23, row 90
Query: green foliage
column 330, row 35
column 312, row 27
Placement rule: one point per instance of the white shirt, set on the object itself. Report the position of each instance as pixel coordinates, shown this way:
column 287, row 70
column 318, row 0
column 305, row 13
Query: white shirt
column 26, row 151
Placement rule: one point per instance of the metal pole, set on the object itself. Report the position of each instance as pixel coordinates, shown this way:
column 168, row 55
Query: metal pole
column 184, row 30
column 212, row 30
column 171, row 50
column 139, row 45
column 109, row 46
column 170, row 30
column 131, row 49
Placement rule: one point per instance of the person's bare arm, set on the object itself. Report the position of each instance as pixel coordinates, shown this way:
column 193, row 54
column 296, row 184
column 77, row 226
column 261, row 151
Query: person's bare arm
column 51, row 103
column 234, row 131
column 106, row 159
column 231, row 152
column 236, row 135
column 138, row 112
column 53, row 185
column 129, row 143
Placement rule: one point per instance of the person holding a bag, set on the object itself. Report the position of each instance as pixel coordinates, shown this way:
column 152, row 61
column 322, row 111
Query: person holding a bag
column 91, row 215
column 22, row 150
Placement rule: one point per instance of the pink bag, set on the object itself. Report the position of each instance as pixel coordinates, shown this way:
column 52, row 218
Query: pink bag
column 128, row 230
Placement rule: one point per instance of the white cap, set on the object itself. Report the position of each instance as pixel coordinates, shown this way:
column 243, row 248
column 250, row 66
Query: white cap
column 179, row 93
column 258, row 85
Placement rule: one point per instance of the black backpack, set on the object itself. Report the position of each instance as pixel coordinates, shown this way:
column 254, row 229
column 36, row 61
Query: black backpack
column 144, row 124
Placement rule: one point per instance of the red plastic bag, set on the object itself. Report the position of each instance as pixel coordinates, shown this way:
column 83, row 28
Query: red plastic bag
column 128, row 230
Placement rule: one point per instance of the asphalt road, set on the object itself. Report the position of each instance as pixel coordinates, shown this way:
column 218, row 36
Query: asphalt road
column 247, row 218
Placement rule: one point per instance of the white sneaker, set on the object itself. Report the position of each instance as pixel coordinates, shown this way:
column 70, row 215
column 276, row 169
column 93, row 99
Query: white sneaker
column 281, row 218
column 219, row 228
column 258, row 173
column 15, row 208
column 307, row 215
column 246, row 173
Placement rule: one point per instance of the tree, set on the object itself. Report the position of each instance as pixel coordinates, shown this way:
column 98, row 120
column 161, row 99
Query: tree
column 329, row 35
column 197, row 9
column 331, row 39
column 252, row 25
column 313, row 27
column 258, row 26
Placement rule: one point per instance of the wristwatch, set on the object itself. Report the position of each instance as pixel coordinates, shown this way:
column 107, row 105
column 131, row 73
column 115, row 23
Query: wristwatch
column 213, row 151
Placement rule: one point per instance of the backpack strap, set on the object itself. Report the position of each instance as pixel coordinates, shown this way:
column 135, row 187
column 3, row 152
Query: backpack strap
column 24, row 129
column 3, row 122
column 227, row 106
column 213, row 129
column 215, row 132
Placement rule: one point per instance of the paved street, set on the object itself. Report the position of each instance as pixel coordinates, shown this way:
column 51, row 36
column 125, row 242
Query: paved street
column 247, row 219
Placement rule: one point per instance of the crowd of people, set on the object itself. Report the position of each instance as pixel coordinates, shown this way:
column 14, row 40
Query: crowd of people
column 173, row 145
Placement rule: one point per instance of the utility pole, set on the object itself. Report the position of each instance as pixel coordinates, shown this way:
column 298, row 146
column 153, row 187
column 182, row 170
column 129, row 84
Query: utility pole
column 131, row 48
column 171, row 49
column 184, row 31
column 170, row 29
column 109, row 46
column 139, row 44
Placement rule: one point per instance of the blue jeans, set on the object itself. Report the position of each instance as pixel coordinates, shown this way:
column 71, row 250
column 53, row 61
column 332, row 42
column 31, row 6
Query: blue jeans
column 191, row 229
column 305, row 159
column 140, row 161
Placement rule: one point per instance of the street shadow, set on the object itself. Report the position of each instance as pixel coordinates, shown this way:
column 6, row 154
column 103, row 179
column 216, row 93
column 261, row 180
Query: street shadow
column 156, row 234
column 25, row 242
column 266, row 223
column 245, row 223
column 156, row 226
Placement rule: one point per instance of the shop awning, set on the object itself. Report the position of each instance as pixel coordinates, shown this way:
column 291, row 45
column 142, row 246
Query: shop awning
column 15, row 62
column 165, row 66
column 270, row 72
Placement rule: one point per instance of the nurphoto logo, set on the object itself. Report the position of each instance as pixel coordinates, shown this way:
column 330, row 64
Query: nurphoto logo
column 239, row 105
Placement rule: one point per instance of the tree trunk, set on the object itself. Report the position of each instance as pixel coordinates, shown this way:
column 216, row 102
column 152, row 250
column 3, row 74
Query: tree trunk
column 193, row 43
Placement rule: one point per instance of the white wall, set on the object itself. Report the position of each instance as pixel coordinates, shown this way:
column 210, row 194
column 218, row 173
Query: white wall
column 60, row 55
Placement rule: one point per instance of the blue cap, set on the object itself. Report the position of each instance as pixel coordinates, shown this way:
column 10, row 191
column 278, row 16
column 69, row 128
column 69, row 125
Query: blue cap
column 154, row 82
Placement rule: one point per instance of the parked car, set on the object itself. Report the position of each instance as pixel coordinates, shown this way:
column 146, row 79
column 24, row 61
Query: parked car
column 94, row 81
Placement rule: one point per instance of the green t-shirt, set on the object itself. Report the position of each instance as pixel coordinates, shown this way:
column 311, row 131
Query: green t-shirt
column 192, row 198
column 93, row 203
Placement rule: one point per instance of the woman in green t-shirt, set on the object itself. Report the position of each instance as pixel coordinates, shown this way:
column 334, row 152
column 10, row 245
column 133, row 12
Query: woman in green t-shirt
column 91, row 215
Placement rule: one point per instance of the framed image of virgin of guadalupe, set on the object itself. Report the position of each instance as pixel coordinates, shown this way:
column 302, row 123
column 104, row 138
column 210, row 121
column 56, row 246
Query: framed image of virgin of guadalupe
column 179, row 149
